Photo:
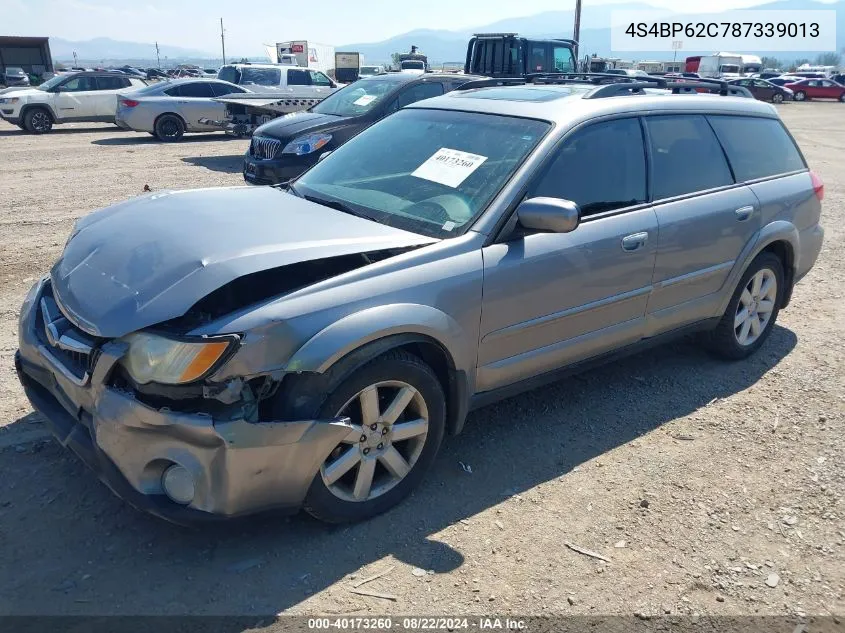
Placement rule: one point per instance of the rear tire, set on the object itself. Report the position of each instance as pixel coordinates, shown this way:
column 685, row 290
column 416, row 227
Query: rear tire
column 400, row 465
column 37, row 121
column 842, row 98
column 752, row 310
column 169, row 128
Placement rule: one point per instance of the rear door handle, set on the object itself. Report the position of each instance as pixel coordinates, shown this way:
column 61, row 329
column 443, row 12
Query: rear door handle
column 743, row 213
column 634, row 242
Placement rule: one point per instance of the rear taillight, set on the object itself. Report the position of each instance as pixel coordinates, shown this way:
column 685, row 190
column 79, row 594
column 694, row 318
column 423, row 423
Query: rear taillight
column 818, row 186
column 129, row 103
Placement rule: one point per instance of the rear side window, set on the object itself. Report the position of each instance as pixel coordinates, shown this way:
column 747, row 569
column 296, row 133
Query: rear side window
column 299, row 78
column 199, row 89
column 225, row 89
column 686, row 156
column 175, row 91
column 111, row 83
column 756, row 147
column 230, row 74
column 601, row 167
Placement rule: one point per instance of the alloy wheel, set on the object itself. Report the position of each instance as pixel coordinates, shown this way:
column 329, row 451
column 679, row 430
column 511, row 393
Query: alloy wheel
column 390, row 421
column 40, row 121
column 755, row 307
column 777, row 98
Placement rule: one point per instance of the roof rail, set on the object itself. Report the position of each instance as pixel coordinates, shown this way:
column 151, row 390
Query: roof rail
column 490, row 83
column 679, row 87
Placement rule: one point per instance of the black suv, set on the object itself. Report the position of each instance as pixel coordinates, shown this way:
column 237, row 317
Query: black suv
column 285, row 147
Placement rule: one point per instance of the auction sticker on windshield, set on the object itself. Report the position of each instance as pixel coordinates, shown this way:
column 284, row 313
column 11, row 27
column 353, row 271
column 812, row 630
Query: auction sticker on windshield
column 449, row 167
column 365, row 100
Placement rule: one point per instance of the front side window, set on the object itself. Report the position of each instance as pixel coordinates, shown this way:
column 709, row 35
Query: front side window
column 686, row 156
column 229, row 73
column 319, row 79
column 79, row 84
column 757, row 147
column 600, row 168
column 441, row 171
column 564, row 60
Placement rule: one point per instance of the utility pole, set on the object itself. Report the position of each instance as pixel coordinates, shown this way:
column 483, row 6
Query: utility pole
column 158, row 59
column 223, row 41
column 576, row 32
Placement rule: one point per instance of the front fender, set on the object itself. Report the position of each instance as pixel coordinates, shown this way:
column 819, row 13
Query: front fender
column 355, row 330
column 777, row 231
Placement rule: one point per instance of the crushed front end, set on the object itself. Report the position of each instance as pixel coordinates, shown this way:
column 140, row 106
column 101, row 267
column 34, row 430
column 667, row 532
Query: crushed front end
column 187, row 452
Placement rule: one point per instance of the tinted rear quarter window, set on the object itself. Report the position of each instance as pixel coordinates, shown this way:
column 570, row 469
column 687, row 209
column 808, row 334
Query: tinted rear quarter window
column 600, row 167
column 201, row 89
column 686, row 156
column 757, row 147
column 225, row 89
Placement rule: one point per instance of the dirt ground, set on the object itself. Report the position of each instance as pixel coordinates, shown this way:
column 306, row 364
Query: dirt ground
column 709, row 487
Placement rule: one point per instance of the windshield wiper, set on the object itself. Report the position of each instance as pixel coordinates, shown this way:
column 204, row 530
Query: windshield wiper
column 340, row 206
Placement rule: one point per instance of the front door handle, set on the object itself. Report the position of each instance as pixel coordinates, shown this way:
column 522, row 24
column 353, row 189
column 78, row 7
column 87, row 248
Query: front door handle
column 634, row 242
column 743, row 213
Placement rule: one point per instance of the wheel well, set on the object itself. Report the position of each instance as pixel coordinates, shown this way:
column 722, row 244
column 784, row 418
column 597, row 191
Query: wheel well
column 38, row 106
column 783, row 251
column 299, row 395
column 178, row 116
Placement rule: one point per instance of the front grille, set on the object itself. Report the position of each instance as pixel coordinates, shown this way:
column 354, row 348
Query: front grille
column 264, row 148
column 75, row 349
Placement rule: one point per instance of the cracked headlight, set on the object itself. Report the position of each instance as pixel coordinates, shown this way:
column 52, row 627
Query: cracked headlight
column 307, row 144
column 154, row 358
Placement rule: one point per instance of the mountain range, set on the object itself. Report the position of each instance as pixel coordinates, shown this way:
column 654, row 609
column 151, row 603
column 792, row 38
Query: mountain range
column 442, row 45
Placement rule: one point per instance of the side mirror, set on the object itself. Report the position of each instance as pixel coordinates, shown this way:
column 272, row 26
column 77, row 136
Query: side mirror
column 551, row 215
column 323, row 156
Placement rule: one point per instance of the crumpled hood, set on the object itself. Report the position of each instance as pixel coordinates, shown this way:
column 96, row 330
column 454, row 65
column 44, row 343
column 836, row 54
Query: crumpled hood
column 148, row 260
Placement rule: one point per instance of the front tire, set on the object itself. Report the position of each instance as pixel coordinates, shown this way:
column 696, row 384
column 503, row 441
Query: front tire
column 752, row 310
column 777, row 98
column 398, row 409
column 37, row 121
column 169, row 128
column 800, row 96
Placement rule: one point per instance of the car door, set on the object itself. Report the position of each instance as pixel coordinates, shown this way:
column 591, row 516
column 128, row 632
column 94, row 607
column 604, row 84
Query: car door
column 830, row 89
column 105, row 98
column 194, row 102
column 705, row 219
column 763, row 90
column 75, row 99
column 552, row 299
column 300, row 80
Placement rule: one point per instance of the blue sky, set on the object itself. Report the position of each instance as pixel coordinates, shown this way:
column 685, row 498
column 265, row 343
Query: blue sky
column 195, row 23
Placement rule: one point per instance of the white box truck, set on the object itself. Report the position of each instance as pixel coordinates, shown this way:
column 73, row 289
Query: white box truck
column 720, row 65
column 307, row 54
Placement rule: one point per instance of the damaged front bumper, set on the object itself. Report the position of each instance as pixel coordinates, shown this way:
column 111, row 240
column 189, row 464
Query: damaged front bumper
column 237, row 467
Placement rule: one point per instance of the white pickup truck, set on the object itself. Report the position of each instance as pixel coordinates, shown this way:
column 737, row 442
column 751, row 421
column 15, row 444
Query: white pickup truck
column 269, row 77
column 277, row 89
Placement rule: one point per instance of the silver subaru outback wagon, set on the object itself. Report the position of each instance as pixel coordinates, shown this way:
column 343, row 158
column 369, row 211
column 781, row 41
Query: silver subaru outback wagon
column 218, row 352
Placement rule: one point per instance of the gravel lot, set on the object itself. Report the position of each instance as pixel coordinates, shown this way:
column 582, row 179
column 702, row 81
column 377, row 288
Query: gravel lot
column 710, row 487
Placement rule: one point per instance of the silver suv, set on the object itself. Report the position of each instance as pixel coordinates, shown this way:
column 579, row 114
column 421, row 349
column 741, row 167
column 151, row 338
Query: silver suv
column 218, row 352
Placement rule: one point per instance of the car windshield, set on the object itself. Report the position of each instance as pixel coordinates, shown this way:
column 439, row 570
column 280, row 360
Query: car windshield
column 413, row 65
column 426, row 171
column 52, row 82
column 14, row 71
column 357, row 98
column 260, row 76
column 369, row 70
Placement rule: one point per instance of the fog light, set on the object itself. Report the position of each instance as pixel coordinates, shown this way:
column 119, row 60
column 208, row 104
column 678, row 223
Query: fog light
column 178, row 484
